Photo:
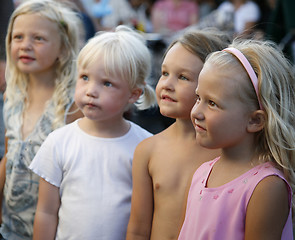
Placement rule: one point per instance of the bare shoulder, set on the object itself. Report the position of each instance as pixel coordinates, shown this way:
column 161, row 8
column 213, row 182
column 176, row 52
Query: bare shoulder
column 270, row 191
column 149, row 149
column 154, row 141
column 268, row 209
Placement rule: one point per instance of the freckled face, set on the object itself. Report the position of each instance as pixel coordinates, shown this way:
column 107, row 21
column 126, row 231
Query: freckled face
column 219, row 116
column 99, row 96
column 35, row 44
column 176, row 87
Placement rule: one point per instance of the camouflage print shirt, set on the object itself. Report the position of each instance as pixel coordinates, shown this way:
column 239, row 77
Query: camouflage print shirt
column 21, row 184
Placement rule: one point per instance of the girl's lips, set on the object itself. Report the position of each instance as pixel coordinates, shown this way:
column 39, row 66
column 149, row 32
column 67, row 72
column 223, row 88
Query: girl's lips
column 167, row 98
column 26, row 59
column 90, row 105
column 199, row 128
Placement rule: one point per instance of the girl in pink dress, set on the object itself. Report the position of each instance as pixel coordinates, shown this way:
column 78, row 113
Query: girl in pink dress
column 245, row 104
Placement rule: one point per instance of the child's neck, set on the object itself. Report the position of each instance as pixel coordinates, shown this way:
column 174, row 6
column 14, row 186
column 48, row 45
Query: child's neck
column 38, row 94
column 241, row 153
column 233, row 163
column 41, row 87
column 106, row 128
column 183, row 128
column 45, row 79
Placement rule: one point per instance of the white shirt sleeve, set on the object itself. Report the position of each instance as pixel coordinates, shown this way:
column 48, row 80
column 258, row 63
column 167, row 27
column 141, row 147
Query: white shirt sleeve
column 45, row 163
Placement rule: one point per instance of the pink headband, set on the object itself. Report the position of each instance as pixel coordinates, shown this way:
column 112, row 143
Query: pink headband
column 248, row 68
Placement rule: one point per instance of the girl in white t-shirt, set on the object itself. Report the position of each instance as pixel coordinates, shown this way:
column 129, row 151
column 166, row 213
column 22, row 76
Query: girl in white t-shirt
column 85, row 167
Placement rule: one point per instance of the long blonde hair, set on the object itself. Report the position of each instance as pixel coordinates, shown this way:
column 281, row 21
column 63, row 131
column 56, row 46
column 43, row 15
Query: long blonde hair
column 276, row 90
column 68, row 24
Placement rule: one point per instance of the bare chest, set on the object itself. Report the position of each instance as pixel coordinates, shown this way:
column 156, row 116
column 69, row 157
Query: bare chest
column 171, row 169
column 31, row 116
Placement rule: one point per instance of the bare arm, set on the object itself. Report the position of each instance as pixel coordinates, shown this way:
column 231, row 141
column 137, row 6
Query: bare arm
column 3, row 172
column 2, row 182
column 182, row 217
column 268, row 210
column 2, row 75
column 46, row 218
column 141, row 216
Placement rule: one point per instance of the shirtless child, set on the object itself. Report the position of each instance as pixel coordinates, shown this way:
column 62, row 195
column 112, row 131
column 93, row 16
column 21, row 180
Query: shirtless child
column 164, row 163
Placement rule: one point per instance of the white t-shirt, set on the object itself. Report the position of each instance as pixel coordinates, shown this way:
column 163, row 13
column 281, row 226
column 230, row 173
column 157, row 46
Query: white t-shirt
column 94, row 176
column 248, row 12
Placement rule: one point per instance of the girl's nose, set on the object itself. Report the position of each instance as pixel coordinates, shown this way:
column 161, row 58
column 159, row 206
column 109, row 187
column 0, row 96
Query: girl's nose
column 92, row 90
column 168, row 83
column 196, row 112
column 26, row 44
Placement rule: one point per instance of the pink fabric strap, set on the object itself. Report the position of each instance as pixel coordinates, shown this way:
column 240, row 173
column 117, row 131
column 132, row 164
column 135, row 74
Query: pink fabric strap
column 248, row 68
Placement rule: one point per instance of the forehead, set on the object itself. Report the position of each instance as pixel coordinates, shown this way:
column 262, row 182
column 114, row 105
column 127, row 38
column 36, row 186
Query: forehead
column 179, row 56
column 34, row 22
column 91, row 65
column 97, row 67
column 219, row 76
column 225, row 83
column 92, row 61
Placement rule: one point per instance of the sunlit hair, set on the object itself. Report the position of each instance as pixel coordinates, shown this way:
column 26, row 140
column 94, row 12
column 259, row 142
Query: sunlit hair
column 124, row 54
column 68, row 24
column 202, row 42
column 276, row 85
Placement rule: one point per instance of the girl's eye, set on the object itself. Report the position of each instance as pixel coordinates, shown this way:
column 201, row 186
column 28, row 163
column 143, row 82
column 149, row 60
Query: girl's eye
column 165, row 73
column 212, row 104
column 198, row 99
column 181, row 77
column 108, row 84
column 17, row 37
column 84, row 77
column 38, row 38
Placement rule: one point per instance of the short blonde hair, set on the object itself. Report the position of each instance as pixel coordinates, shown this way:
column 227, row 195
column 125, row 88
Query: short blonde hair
column 124, row 54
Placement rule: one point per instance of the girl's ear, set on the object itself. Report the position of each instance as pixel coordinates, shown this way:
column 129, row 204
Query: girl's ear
column 135, row 94
column 257, row 121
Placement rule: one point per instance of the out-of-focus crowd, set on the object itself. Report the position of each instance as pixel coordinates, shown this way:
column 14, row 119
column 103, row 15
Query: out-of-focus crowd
column 165, row 18
column 162, row 20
